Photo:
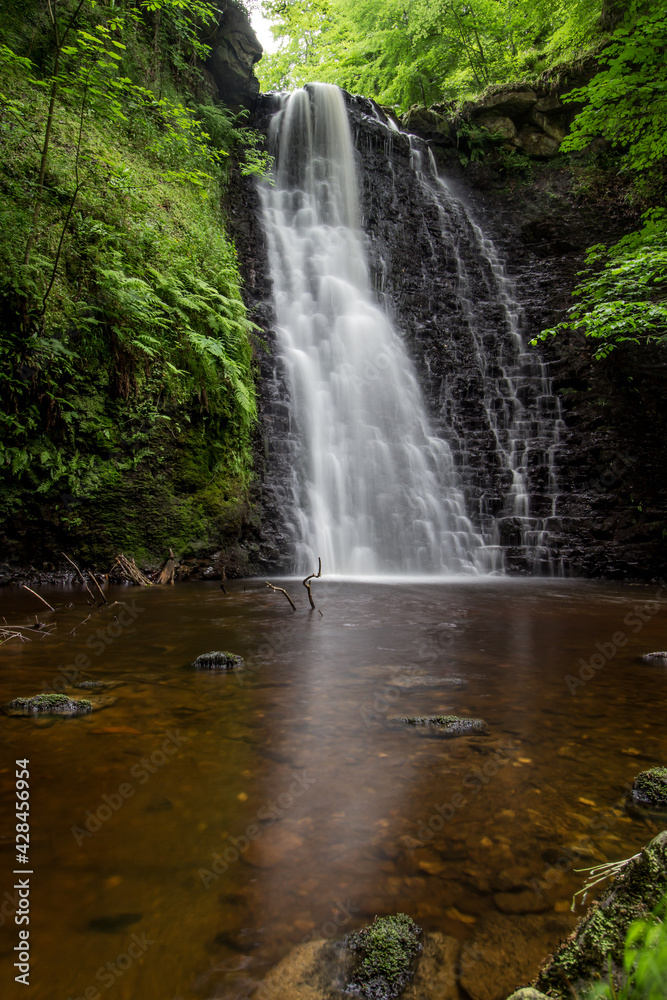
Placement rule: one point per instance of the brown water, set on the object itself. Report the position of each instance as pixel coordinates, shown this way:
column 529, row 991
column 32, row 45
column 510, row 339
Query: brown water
column 333, row 807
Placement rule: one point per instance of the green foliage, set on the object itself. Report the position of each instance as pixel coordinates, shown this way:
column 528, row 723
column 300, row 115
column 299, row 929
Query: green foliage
column 626, row 102
column 425, row 51
column 622, row 296
column 123, row 327
column 644, row 961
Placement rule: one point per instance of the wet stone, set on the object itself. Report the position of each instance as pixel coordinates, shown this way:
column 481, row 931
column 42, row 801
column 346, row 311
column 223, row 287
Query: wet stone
column 447, row 725
column 649, row 791
column 218, row 660
column 48, row 704
column 658, row 659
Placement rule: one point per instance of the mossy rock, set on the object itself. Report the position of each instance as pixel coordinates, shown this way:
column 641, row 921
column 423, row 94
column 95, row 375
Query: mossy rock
column 386, row 954
column 48, row 704
column 218, row 660
column 447, row 725
column 658, row 659
column 649, row 791
column 597, row 945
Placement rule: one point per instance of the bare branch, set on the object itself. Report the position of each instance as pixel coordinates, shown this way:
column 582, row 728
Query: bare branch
column 313, row 576
column 281, row 591
column 37, row 596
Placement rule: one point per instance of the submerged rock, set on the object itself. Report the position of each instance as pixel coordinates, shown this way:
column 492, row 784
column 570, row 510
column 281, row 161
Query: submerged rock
column 48, row 704
column 218, row 660
column 659, row 659
column 649, row 790
column 385, row 957
column 448, row 725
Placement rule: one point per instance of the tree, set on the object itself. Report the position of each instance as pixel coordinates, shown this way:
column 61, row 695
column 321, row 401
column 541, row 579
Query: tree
column 623, row 294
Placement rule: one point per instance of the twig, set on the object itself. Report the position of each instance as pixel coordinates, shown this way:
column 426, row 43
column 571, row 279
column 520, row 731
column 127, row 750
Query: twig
column 37, row 596
column 281, row 591
column 92, row 577
column 598, row 873
column 79, row 624
column 81, row 577
column 313, row 576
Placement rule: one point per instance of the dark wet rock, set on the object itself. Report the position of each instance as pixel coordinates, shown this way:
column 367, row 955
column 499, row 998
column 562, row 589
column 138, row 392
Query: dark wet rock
column 48, row 704
column 428, row 123
column 649, row 790
column 112, row 923
column 659, row 659
column 235, row 49
column 448, row 725
column 597, row 945
column 385, row 955
column 218, row 660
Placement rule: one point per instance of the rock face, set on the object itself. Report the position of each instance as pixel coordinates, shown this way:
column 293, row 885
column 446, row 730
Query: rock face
column 235, row 49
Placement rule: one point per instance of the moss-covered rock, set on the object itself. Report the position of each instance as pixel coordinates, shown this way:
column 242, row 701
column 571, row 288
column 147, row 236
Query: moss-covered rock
column 649, row 790
column 48, row 704
column 386, row 953
column 448, row 725
column 218, row 660
column 597, row 945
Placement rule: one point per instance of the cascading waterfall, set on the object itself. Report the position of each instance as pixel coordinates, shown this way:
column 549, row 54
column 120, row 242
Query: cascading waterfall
column 374, row 491
column 521, row 409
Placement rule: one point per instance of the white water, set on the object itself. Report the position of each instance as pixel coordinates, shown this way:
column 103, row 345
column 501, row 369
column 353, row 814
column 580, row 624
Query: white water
column 374, row 491
column 523, row 431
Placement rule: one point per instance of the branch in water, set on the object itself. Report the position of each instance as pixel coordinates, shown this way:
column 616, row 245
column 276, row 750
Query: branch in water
column 313, row 576
column 281, row 591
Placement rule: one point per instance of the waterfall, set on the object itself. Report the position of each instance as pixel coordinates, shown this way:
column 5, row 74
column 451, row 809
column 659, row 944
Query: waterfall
column 521, row 410
column 374, row 490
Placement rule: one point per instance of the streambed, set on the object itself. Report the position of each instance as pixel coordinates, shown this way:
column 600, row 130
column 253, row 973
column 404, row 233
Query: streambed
column 186, row 837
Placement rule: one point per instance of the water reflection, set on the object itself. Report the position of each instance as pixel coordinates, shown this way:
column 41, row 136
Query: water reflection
column 292, row 805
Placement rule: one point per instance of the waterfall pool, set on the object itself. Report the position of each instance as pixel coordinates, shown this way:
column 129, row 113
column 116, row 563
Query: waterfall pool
column 186, row 837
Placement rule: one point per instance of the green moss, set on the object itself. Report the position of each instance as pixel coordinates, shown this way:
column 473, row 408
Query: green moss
column 49, row 704
column 599, row 940
column 386, row 953
column 650, row 788
column 222, row 660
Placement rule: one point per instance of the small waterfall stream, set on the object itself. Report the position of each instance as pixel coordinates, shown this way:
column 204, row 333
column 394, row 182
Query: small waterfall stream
column 374, row 490
column 521, row 409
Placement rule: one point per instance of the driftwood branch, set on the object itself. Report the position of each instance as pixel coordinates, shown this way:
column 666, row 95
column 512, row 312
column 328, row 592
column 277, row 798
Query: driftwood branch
column 38, row 597
column 102, row 595
column 81, row 577
column 313, row 576
column 168, row 571
column 131, row 571
column 281, row 591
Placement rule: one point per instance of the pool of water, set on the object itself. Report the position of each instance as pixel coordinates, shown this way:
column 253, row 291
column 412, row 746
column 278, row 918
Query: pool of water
column 185, row 838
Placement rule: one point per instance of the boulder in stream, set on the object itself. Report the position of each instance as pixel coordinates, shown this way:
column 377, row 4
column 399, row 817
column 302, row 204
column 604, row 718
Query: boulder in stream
column 649, row 791
column 48, row 704
column 218, row 660
column 658, row 659
column 447, row 725
column 385, row 953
